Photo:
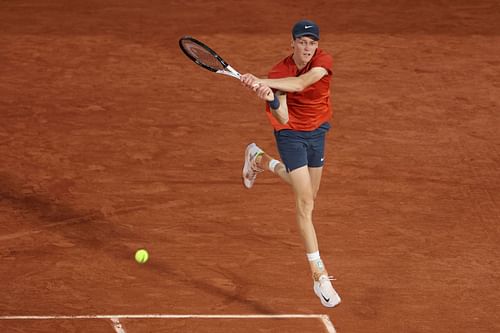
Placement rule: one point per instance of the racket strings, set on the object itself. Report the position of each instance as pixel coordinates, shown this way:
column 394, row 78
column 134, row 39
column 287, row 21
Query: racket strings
column 202, row 55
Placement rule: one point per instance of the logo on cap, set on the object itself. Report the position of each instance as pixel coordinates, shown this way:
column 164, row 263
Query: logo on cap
column 305, row 28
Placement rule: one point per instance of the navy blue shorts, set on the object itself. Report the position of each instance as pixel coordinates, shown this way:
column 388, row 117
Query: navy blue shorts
column 300, row 148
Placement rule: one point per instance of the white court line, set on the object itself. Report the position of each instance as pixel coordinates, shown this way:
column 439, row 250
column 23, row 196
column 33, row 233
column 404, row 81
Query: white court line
column 116, row 323
column 328, row 323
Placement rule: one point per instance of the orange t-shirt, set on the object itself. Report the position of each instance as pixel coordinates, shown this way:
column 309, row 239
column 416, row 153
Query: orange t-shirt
column 310, row 108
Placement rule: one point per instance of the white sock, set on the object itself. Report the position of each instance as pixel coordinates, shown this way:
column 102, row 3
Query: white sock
column 272, row 164
column 315, row 258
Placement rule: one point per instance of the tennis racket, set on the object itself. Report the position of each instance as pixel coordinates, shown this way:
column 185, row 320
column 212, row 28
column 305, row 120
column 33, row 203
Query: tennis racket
column 205, row 57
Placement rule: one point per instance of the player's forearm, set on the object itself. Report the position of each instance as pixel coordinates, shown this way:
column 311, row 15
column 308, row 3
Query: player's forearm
column 287, row 84
column 297, row 83
column 281, row 113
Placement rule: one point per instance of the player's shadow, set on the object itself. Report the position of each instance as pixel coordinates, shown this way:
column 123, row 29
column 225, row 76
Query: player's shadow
column 43, row 212
column 90, row 230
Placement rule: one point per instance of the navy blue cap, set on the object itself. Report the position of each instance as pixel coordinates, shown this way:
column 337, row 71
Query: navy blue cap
column 305, row 28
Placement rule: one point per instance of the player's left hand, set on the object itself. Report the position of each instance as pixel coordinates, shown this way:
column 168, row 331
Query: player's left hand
column 249, row 80
column 264, row 92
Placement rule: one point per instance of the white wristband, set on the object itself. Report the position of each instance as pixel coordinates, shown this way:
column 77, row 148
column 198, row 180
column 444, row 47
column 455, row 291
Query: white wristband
column 313, row 256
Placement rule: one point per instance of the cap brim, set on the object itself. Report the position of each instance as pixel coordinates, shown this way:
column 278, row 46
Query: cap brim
column 313, row 36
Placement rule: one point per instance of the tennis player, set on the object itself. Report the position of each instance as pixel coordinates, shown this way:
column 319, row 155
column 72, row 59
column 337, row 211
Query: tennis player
column 297, row 92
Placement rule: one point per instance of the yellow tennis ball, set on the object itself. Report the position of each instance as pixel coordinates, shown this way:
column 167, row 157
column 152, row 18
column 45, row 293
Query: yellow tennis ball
column 141, row 256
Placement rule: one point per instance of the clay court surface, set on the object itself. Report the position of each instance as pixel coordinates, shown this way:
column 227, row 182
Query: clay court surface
column 111, row 140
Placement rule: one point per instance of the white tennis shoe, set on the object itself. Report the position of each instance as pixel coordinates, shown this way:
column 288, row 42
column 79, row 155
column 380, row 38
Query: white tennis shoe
column 324, row 290
column 250, row 169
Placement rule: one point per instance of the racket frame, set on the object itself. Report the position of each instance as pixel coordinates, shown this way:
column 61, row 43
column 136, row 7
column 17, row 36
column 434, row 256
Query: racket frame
column 227, row 69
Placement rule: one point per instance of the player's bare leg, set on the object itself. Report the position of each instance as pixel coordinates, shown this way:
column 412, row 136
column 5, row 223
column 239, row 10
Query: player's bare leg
column 305, row 183
column 304, row 201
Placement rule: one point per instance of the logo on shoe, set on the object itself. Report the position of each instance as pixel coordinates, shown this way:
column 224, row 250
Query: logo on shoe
column 326, row 299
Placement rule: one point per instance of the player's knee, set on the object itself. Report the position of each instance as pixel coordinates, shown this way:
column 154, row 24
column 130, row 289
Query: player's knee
column 315, row 194
column 305, row 205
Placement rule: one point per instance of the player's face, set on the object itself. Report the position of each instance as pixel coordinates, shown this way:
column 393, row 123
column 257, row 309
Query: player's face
column 303, row 49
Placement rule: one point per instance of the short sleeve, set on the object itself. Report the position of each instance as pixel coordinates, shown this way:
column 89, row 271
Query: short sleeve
column 323, row 60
